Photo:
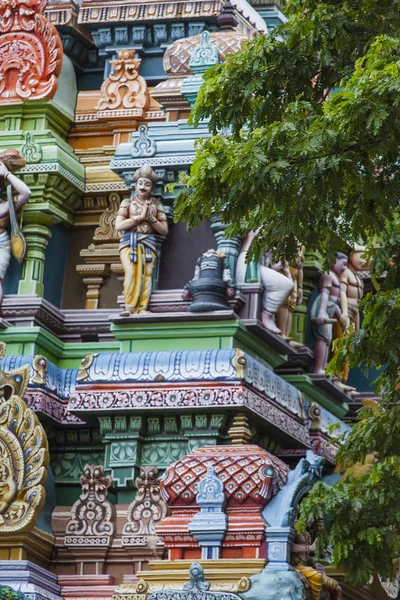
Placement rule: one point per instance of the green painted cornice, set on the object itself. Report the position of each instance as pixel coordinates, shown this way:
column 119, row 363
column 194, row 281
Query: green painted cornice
column 314, row 394
column 312, row 264
column 36, row 340
column 35, row 115
column 193, row 335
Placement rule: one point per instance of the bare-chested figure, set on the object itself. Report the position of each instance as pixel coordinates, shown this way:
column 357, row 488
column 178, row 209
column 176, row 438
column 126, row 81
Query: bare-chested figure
column 353, row 287
column 277, row 286
column 325, row 309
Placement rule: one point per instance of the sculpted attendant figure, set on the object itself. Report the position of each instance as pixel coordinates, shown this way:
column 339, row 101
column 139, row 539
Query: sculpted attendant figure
column 353, row 287
column 296, row 297
column 139, row 218
column 9, row 159
column 302, row 548
column 326, row 310
column 277, row 286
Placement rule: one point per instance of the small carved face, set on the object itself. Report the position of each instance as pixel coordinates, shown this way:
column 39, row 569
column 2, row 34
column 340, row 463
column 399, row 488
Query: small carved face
column 340, row 265
column 357, row 260
column 144, row 186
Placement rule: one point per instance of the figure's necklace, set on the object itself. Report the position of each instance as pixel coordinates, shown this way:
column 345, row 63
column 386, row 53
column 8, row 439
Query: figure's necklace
column 147, row 201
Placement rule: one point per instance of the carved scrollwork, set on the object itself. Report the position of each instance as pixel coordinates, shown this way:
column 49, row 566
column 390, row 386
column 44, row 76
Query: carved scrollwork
column 92, row 515
column 30, row 52
column 124, row 88
column 146, row 510
column 24, row 459
column 106, row 231
column 84, row 367
column 39, row 366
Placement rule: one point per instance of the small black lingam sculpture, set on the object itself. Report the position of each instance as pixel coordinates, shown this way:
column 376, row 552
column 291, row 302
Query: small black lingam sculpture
column 211, row 285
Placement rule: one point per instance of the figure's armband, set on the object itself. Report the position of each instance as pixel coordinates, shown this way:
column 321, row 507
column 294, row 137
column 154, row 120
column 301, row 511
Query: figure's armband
column 123, row 210
column 327, row 286
column 161, row 216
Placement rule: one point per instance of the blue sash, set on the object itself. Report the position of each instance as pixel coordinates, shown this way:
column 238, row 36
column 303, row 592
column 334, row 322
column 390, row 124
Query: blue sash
column 132, row 239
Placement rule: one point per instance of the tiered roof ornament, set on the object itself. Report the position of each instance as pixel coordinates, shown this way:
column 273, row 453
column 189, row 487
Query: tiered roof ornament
column 204, row 56
column 124, row 92
column 30, row 52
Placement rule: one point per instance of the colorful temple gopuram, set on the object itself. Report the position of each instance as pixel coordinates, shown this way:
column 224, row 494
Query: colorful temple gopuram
column 164, row 405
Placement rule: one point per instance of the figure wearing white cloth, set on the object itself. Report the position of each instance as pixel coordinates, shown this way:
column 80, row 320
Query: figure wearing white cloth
column 21, row 198
column 277, row 286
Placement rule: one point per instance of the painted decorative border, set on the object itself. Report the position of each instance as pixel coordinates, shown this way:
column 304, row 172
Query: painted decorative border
column 51, row 406
column 173, row 398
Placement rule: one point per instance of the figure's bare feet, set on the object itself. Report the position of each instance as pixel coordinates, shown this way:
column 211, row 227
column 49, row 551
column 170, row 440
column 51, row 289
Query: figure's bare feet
column 143, row 311
column 268, row 320
column 319, row 372
column 125, row 313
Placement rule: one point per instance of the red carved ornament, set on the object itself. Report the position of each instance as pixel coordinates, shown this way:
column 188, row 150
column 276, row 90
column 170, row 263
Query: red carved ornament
column 30, row 52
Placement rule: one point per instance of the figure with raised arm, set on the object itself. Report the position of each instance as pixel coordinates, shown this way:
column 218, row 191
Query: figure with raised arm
column 10, row 160
column 139, row 219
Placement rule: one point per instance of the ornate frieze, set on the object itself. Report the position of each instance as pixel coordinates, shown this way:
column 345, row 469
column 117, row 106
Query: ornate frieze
column 138, row 11
column 49, row 404
column 195, row 589
column 30, row 52
column 164, row 397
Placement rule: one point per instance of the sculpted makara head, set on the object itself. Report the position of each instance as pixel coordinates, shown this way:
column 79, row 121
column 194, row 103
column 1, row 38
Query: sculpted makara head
column 12, row 383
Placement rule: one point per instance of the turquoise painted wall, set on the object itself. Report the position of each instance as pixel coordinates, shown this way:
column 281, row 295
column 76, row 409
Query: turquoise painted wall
column 56, row 257
column 13, row 275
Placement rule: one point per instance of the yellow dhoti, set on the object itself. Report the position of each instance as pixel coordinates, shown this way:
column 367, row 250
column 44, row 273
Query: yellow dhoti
column 319, row 581
column 138, row 277
column 313, row 577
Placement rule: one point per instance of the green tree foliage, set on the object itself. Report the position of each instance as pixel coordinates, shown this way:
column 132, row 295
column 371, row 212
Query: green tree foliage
column 305, row 125
column 7, row 593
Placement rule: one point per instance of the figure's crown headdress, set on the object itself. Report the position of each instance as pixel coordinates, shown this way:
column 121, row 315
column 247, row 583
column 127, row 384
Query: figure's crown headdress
column 146, row 172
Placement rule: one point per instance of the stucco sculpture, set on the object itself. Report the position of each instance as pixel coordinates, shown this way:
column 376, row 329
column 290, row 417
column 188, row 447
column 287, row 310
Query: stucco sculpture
column 11, row 160
column 294, row 271
column 277, row 286
column 139, row 219
column 326, row 311
column 314, row 572
column 353, row 287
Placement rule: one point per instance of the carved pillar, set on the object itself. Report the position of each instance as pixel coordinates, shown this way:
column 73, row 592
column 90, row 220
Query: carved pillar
column 209, row 526
column 279, row 543
column 37, row 238
column 122, row 438
column 94, row 278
